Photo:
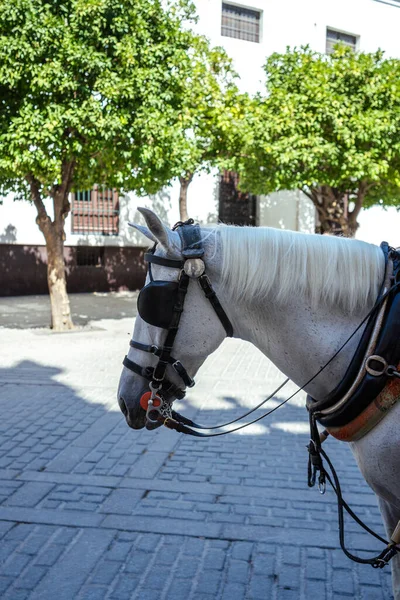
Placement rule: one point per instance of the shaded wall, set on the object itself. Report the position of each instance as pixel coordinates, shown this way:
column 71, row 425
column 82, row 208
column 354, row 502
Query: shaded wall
column 23, row 269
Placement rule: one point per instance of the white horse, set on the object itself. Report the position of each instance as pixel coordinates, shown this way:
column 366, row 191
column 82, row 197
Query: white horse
column 296, row 297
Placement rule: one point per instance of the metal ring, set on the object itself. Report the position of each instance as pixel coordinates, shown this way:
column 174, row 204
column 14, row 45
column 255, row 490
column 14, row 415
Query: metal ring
column 378, row 359
column 154, row 409
column 155, row 388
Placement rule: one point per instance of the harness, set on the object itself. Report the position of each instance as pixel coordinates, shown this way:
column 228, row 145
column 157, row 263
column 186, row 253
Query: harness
column 371, row 385
column 160, row 303
column 377, row 359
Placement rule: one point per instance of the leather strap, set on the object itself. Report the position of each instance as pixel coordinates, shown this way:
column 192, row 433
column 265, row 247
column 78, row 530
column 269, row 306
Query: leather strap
column 357, row 361
column 168, row 387
column 387, row 347
column 172, row 263
column 159, row 371
column 210, row 294
column 176, row 364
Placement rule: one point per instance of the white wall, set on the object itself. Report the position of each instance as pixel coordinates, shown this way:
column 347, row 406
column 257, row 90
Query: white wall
column 287, row 210
column 293, row 23
column 379, row 225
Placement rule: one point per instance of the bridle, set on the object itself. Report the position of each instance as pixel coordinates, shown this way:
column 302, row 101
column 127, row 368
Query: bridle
column 161, row 303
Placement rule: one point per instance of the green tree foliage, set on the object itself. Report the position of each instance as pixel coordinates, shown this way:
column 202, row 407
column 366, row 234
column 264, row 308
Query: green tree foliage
column 330, row 126
column 91, row 91
column 210, row 108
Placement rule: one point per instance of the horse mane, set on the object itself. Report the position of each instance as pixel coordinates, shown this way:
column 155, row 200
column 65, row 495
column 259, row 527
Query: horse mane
column 261, row 262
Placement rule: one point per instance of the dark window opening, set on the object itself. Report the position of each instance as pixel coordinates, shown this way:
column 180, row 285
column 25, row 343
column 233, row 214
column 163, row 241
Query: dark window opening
column 95, row 211
column 235, row 207
column 89, row 256
column 240, row 23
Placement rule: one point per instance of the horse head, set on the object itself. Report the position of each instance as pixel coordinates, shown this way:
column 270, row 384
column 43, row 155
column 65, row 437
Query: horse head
column 178, row 324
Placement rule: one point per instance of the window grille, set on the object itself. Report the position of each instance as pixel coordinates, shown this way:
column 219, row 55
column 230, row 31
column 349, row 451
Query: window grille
column 89, row 256
column 95, row 211
column 335, row 37
column 240, row 23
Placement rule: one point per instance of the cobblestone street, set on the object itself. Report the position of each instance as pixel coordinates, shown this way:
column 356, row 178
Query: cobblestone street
column 91, row 510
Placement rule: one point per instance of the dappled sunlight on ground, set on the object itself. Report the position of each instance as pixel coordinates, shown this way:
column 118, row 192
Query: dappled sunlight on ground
column 293, row 427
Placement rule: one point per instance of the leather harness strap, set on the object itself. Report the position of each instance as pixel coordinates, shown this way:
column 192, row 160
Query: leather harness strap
column 176, row 364
column 149, row 257
column 210, row 294
column 192, row 249
column 379, row 364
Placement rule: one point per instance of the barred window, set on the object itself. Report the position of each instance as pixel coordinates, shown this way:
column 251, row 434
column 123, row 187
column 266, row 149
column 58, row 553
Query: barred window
column 334, row 37
column 95, row 211
column 240, row 23
column 89, row 256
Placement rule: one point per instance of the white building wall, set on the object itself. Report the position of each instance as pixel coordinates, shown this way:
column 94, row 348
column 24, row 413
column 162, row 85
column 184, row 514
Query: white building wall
column 284, row 23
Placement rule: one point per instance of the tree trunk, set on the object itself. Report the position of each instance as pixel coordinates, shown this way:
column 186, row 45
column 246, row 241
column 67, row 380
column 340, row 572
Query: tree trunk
column 54, row 235
column 60, row 309
column 332, row 207
column 185, row 182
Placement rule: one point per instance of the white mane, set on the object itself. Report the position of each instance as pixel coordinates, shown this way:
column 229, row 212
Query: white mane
column 258, row 261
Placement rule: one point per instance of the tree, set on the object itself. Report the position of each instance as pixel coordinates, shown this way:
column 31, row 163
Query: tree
column 329, row 126
column 91, row 92
column 212, row 101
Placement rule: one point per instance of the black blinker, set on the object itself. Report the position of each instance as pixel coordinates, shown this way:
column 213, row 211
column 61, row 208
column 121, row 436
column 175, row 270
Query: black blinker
column 156, row 303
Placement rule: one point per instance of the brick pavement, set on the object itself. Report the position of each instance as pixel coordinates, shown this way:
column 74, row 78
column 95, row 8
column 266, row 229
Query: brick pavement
column 91, row 510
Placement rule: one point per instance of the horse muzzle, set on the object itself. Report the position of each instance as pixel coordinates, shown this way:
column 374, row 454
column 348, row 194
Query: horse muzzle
column 135, row 417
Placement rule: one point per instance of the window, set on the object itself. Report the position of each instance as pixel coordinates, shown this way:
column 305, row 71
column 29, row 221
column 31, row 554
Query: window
column 335, row 37
column 95, row 211
column 89, row 256
column 240, row 23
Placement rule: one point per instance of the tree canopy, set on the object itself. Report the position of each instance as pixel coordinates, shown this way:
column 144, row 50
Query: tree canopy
column 96, row 84
column 330, row 126
column 206, row 123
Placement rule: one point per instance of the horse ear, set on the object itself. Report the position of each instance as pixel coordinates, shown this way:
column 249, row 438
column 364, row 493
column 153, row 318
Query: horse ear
column 157, row 228
column 146, row 232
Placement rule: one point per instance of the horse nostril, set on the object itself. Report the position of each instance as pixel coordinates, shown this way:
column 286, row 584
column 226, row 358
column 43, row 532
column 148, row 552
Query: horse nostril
column 122, row 406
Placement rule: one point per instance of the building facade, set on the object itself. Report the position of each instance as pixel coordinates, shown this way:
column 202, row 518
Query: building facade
column 103, row 253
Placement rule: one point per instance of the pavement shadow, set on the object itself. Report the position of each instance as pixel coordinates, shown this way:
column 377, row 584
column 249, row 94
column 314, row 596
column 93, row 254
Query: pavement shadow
column 91, row 505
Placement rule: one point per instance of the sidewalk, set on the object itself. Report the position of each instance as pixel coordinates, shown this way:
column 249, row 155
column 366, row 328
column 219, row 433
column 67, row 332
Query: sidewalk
column 22, row 312
column 91, row 510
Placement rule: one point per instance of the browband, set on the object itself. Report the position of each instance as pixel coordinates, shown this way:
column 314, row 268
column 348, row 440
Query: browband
column 164, row 262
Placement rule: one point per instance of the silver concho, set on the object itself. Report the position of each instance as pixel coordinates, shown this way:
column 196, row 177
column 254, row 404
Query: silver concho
column 194, row 267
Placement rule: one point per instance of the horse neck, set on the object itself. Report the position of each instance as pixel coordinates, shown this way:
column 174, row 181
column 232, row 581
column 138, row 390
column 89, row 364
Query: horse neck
column 298, row 339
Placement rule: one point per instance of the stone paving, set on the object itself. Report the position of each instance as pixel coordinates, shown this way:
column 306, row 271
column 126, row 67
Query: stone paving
column 91, row 510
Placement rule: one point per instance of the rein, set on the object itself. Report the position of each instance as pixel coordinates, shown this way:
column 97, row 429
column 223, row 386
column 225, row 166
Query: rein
column 171, row 296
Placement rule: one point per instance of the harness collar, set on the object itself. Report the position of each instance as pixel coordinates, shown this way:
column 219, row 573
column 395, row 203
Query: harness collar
column 371, row 385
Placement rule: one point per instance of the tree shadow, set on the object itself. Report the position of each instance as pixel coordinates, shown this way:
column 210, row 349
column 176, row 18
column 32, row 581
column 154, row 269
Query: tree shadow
column 9, row 236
